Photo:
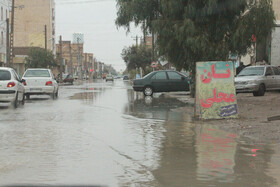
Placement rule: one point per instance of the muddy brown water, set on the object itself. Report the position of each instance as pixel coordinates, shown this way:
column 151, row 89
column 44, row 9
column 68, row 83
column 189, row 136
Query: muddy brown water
column 101, row 133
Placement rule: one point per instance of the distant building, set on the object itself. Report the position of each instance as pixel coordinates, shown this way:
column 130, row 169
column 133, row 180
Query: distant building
column 29, row 27
column 72, row 55
column 4, row 15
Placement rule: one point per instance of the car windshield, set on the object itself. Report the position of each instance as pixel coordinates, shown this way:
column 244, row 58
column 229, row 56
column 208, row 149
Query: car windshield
column 251, row 71
column 37, row 73
column 5, row 75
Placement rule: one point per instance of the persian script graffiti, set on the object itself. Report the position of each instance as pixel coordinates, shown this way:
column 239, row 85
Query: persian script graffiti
column 215, row 75
column 218, row 99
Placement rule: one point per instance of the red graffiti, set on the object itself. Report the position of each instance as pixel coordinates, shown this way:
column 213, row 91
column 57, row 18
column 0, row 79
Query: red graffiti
column 220, row 75
column 218, row 99
column 215, row 75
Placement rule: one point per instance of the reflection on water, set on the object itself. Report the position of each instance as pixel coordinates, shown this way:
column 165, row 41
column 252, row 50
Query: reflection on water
column 194, row 155
column 159, row 108
column 203, row 155
column 215, row 155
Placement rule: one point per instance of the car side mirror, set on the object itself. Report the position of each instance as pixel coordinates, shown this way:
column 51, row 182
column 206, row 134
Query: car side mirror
column 23, row 80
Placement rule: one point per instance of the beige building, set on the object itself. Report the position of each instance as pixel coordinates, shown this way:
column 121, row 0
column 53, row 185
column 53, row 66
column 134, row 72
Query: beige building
column 29, row 27
column 276, row 7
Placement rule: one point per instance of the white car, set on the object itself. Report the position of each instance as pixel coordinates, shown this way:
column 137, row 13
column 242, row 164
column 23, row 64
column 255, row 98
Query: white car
column 11, row 88
column 258, row 80
column 40, row 82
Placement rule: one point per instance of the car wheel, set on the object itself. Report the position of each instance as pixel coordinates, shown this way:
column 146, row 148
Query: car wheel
column 16, row 102
column 56, row 94
column 53, row 95
column 148, row 91
column 261, row 91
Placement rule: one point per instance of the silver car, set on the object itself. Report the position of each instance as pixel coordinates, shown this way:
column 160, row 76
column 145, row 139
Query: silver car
column 258, row 80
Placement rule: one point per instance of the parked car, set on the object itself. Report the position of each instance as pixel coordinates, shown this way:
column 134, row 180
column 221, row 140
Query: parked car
column 162, row 81
column 40, row 82
column 11, row 88
column 67, row 78
column 125, row 78
column 109, row 78
column 258, row 80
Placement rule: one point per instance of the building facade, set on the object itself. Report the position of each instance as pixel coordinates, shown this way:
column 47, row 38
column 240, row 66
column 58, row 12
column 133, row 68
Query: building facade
column 34, row 26
column 72, row 55
column 4, row 15
column 275, row 37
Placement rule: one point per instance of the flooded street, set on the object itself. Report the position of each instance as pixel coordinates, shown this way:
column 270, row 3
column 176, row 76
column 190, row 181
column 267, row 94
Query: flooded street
column 99, row 133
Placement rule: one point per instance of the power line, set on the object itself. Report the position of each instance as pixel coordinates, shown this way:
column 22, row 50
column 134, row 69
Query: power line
column 81, row 2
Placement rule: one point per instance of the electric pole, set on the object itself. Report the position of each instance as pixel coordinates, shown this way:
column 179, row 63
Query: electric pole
column 79, row 60
column 71, row 62
column 60, row 58
column 8, row 43
column 46, row 40
column 11, row 47
column 136, row 39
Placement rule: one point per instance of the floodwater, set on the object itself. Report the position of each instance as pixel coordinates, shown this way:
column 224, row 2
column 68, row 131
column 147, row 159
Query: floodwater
column 100, row 133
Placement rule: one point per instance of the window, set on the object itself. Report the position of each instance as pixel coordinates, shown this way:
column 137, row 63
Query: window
column 37, row 73
column 160, row 76
column 276, row 70
column 1, row 13
column 174, row 76
column 5, row 75
column 268, row 71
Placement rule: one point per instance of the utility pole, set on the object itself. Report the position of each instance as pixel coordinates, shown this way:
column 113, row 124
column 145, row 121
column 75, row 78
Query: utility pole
column 136, row 39
column 12, row 34
column 71, row 62
column 8, row 43
column 60, row 58
column 46, row 40
column 80, row 56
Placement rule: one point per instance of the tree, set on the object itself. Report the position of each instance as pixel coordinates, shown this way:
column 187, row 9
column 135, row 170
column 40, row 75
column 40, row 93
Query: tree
column 40, row 58
column 200, row 30
column 136, row 57
column 141, row 12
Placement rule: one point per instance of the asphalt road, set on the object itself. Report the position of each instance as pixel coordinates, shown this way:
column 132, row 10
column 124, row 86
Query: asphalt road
column 99, row 133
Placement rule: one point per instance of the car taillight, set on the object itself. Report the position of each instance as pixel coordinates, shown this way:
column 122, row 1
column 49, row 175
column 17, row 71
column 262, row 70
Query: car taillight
column 49, row 83
column 11, row 84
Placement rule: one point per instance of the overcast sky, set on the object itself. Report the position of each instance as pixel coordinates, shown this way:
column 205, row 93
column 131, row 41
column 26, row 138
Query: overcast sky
column 96, row 20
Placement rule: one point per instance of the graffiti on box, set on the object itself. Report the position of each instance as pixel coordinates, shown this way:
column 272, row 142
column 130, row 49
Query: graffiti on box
column 215, row 90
